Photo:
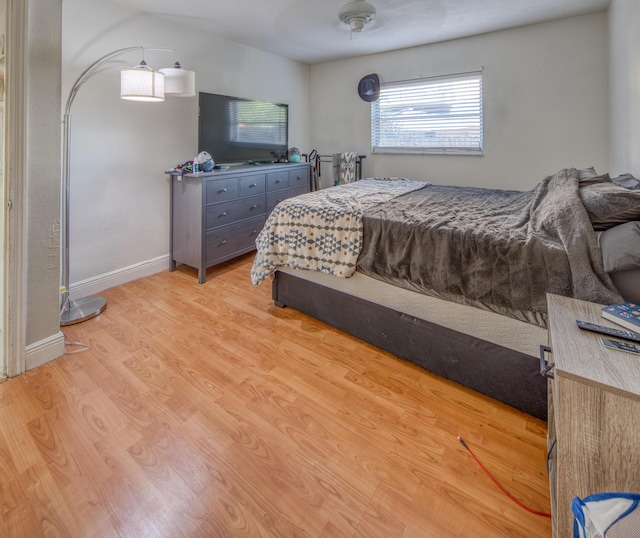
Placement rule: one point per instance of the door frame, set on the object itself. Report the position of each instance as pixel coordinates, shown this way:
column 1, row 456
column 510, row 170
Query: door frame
column 13, row 212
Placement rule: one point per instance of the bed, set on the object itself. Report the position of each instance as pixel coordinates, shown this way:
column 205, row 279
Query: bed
column 455, row 279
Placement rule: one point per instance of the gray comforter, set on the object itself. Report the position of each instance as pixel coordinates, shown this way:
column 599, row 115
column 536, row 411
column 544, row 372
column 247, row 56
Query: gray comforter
column 499, row 249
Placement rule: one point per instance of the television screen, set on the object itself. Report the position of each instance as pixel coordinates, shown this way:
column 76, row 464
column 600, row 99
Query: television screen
column 235, row 130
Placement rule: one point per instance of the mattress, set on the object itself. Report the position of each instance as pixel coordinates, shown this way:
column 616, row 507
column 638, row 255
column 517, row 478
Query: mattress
column 489, row 326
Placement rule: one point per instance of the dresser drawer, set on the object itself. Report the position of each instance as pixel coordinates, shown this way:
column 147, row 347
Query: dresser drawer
column 299, row 177
column 252, row 185
column 278, row 180
column 219, row 190
column 274, row 198
column 216, row 216
column 235, row 210
column 226, row 240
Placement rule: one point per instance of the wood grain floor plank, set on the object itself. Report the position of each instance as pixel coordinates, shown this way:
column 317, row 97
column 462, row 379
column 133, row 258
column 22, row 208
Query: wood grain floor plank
column 203, row 410
column 43, row 492
column 13, row 421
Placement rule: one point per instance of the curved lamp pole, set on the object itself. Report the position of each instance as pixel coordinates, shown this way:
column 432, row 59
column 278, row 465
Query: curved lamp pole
column 77, row 310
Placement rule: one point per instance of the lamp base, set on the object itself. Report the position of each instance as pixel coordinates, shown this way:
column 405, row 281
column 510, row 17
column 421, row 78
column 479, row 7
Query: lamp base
column 79, row 310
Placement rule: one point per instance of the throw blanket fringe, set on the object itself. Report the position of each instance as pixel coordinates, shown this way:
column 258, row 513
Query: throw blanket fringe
column 322, row 230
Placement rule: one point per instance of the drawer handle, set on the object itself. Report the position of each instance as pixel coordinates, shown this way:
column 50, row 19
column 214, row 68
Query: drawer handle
column 546, row 367
column 224, row 242
column 254, row 232
column 278, row 181
column 223, row 190
column 253, row 207
column 224, row 214
column 299, row 178
column 252, row 186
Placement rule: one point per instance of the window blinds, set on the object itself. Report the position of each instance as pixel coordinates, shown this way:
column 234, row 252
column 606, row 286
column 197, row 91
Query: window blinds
column 434, row 115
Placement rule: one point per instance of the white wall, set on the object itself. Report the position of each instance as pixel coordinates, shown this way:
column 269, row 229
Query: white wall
column 545, row 103
column 119, row 207
column 624, row 52
column 42, row 177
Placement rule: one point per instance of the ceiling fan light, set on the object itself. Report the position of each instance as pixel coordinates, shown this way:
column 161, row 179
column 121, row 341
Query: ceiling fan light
column 357, row 13
column 357, row 24
column 141, row 83
column 179, row 82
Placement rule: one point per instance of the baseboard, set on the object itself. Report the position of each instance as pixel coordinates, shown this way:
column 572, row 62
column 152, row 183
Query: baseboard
column 95, row 285
column 38, row 353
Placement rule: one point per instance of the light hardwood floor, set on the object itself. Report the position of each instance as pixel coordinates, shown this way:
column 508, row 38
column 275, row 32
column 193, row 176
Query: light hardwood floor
column 203, row 410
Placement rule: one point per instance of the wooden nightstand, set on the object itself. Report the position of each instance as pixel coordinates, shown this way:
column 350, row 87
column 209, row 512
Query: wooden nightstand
column 594, row 412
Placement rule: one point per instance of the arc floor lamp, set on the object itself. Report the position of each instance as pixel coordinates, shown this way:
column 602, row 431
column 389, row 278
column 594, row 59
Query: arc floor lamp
column 139, row 83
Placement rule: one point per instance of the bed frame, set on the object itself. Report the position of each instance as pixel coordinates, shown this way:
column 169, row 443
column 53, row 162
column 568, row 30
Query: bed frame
column 509, row 376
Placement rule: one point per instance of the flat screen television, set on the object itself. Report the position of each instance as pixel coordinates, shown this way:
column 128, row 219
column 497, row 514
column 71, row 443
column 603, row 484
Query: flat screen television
column 237, row 130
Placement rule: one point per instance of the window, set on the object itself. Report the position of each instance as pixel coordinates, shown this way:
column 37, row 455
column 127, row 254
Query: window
column 434, row 115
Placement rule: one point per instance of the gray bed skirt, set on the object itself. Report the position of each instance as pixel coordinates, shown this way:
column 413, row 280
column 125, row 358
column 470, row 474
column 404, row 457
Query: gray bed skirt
column 506, row 375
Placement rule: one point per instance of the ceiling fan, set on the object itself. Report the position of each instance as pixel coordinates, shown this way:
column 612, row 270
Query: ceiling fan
column 357, row 13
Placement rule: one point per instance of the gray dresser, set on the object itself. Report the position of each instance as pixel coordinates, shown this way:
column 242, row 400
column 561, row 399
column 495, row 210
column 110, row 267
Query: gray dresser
column 216, row 216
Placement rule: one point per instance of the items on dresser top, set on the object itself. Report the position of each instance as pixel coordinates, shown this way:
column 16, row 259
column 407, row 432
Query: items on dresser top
column 617, row 345
column 609, row 331
column 625, row 314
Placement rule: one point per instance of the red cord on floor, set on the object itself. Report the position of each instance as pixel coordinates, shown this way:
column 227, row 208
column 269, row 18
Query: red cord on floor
column 536, row 512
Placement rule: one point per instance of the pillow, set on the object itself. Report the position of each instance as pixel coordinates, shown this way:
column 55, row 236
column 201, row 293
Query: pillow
column 627, row 181
column 589, row 176
column 628, row 284
column 620, row 247
column 609, row 205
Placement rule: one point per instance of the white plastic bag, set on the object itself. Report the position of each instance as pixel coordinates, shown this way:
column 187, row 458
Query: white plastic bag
column 607, row 515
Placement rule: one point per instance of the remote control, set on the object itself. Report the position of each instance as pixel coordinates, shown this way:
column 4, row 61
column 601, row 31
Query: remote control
column 618, row 333
column 620, row 346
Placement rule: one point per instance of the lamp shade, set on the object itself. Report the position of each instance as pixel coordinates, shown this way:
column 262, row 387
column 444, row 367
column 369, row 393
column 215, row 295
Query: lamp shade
column 141, row 83
column 179, row 82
